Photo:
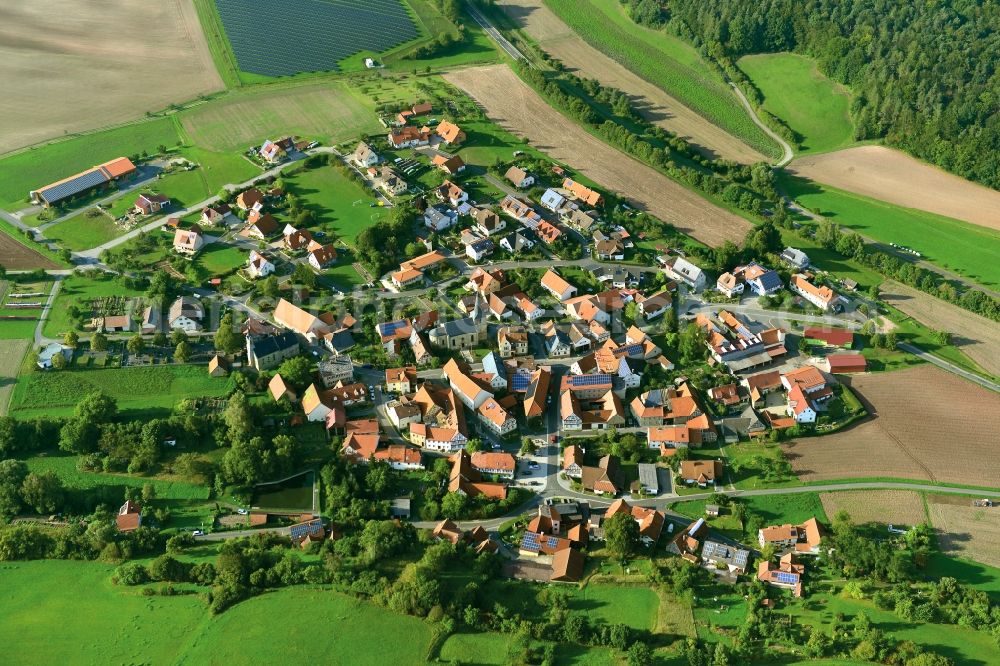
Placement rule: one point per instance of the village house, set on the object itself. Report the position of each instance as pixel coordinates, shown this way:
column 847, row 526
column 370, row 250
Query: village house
column 273, row 152
column 578, row 219
column 572, row 464
column 729, row 284
column 547, row 233
column 552, row 200
column 387, row 180
column 458, row 334
column 186, row 313
column 260, row 226
column 496, row 463
column 147, row 204
column 787, row 574
column 655, row 305
column 364, row 156
column 536, row 395
column 719, row 557
column 520, row 211
column 450, row 165
column 512, row 341
column 496, row 418
column 681, row 269
column 439, row 218
column 822, row 297
column 258, row 266
column 521, row 240
column 803, row 539
column 487, row 223
column 296, row 240
column 605, row 479
column 188, row 242
column 250, row 199
column 842, row 364
column 467, row 480
column 583, row 193
column 215, row 214
column 409, row 137
column 519, row 178
column 650, row 521
column 557, row 342
column 268, row 351
column 479, row 249
column 701, row 472
column 322, row 256
column 763, row 281
column 452, row 193
column 795, row 258
column 450, row 133
column 557, row 286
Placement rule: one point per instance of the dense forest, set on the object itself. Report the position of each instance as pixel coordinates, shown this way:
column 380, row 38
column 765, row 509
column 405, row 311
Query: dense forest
column 924, row 74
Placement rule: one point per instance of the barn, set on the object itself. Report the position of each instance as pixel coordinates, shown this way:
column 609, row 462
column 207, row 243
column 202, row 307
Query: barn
column 84, row 182
column 842, row 364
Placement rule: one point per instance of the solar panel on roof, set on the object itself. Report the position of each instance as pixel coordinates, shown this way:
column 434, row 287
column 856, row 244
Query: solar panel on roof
column 590, row 380
column 304, row 529
column 75, row 185
column 552, row 542
column 520, row 381
column 783, row 577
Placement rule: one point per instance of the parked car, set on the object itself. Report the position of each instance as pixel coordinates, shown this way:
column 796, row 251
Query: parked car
column 197, row 533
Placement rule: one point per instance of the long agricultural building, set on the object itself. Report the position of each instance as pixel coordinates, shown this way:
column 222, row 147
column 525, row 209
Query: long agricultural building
column 86, row 181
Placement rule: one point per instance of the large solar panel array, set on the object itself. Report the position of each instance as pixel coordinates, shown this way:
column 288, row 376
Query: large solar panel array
column 286, row 37
column 590, row 380
column 81, row 183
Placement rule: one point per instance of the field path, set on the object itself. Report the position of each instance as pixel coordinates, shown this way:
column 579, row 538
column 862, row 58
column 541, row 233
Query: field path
column 895, row 177
column 786, row 150
column 651, row 102
column 513, row 105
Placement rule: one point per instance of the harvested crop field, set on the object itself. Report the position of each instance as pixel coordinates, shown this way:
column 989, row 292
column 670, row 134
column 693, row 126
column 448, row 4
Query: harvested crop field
column 11, row 353
column 14, row 256
column 97, row 60
column 927, row 425
column 899, row 507
column 965, row 530
column 517, row 108
column 653, row 103
column 893, row 176
column 976, row 336
column 327, row 111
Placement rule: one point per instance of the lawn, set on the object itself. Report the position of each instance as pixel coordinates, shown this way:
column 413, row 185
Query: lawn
column 142, row 389
column 65, row 612
column 218, row 260
column 798, row 93
column 17, row 330
column 974, row 574
column 85, row 230
column 634, row 606
column 79, row 290
column 40, row 166
column 489, row 648
column 65, row 468
column 772, row 509
column 663, row 60
column 335, row 627
column 343, row 207
column 969, row 250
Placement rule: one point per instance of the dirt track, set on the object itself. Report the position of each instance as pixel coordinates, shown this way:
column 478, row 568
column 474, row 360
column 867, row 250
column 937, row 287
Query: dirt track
column 17, row 257
column 977, row 337
column 893, row 176
column 559, row 41
column 517, row 108
column 69, row 66
column 928, row 425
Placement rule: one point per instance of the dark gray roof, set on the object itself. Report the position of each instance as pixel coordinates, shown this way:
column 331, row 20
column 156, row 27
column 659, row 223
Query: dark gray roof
column 770, row 280
column 274, row 343
column 341, row 340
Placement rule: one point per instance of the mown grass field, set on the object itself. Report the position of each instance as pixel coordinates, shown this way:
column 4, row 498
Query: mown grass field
column 40, row 166
column 143, row 389
column 797, row 92
column 87, row 229
column 343, row 207
column 969, row 250
column 329, row 111
column 634, row 606
column 488, row 649
column 663, row 60
column 218, row 260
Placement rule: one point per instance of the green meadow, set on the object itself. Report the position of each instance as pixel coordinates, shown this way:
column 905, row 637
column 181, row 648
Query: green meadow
column 969, row 250
column 663, row 60
column 798, row 93
column 343, row 207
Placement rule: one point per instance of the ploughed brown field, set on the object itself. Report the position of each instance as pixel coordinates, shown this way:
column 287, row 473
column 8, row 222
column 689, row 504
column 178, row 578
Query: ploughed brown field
column 977, row 337
column 558, row 40
column 69, row 66
column 512, row 104
column 965, row 530
column 927, row 425
column 893, row 176
column 898, row 507
column 17, row 257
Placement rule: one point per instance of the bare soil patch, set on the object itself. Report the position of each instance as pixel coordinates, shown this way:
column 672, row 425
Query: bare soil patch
column 70, row 66
column 517, row 108
column 890, row 175
column 977, row 337
column 927, row 425
column 11, row 354
column 17, row 257
column 898, row 507
column 966, row 531
column 653, row 103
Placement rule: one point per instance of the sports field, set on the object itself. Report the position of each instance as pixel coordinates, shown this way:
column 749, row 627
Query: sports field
column 663, row 60
column 928, row 425
column 68, row 68
column 652, row 102
column 966, row 249
column 514, row 106
column 895, row 177
column 798, row 93
column 145, row 388
column 328, row 111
